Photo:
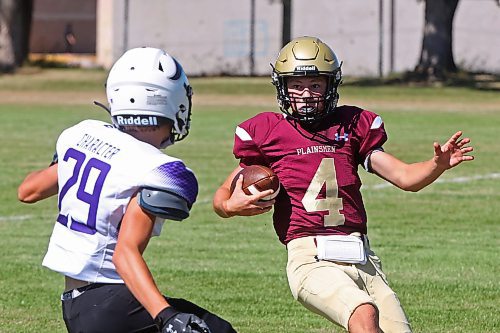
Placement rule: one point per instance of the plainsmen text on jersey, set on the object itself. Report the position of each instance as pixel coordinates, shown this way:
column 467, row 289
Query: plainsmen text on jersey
column 99, row 169
column 320, row 192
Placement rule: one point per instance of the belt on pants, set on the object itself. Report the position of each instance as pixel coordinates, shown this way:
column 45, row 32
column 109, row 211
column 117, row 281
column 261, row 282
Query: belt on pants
column 74, row 293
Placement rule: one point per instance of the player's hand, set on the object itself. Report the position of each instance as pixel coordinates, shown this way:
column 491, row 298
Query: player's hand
column 170, row 320
column 453, row 152
column 239, row 203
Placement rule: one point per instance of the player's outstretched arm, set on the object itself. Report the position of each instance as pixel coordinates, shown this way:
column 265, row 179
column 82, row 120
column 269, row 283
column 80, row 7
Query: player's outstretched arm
column 38, row 185
column 239, row 203
column 415, row 176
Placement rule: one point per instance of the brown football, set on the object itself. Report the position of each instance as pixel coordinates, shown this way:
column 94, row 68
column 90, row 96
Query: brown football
column 258, row 178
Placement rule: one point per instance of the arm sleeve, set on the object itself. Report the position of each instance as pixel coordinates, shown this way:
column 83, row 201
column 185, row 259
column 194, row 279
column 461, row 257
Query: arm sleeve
column 373, row 137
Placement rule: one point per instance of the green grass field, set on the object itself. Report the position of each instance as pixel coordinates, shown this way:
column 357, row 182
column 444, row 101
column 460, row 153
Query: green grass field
column 439, row 246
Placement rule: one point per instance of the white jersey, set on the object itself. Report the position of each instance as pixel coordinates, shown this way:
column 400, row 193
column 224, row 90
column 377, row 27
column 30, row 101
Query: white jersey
column 99, row 169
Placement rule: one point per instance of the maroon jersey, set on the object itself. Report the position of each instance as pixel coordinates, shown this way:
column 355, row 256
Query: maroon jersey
column 320, row 186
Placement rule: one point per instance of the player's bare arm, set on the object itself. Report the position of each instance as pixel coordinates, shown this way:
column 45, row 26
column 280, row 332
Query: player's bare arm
column 415, row 176
column 134, row 235
column 239, row 203
column 38, row 185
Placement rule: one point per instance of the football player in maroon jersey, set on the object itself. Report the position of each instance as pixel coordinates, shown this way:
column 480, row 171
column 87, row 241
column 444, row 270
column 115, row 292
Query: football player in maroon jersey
column 315, row 148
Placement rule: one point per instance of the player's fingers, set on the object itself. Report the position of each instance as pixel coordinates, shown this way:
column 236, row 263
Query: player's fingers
column 463, row 142
column 261, row 210
column 239, row 184
column 260, row 195
column 265, row 203
column 453, row 140
column 455, row 136
column 265, row 193
column 437, row 149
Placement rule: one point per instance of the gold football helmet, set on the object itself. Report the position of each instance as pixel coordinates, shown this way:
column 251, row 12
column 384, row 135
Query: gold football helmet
column 307, row 56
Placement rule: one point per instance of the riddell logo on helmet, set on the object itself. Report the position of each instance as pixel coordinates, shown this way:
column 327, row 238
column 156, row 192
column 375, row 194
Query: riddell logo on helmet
column 306, row 68
column 137, row 120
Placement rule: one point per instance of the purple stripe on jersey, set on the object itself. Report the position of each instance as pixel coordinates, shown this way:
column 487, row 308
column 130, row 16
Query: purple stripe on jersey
column 176, row 177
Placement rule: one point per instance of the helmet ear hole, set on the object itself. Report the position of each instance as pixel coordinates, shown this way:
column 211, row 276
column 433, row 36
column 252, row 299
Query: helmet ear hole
column 132, row 100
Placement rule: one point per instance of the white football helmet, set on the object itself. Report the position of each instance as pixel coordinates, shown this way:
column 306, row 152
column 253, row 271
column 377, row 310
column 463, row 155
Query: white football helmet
column 146, row 83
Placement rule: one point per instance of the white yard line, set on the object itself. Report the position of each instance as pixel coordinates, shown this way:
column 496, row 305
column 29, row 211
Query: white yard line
column 494, row 175
column 15, row 218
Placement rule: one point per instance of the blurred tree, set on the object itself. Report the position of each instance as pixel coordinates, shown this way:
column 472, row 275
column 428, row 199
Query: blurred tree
column 15, row 25
column 436, row 57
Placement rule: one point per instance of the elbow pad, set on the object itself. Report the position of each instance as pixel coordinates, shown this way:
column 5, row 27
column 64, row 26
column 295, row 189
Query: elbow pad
column 163, row 204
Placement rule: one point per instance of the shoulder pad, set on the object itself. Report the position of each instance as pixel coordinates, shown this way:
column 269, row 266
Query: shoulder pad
column 172, row 176
column 163, row 204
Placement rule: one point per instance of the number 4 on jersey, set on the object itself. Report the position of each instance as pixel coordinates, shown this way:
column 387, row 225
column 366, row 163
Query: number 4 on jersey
column 325, row 175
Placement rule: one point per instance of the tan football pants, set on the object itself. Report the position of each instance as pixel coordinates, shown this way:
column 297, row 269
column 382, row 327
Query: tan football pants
column 335, row 290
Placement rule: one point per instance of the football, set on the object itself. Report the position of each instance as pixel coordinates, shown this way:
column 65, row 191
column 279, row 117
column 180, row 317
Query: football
column 258, row 178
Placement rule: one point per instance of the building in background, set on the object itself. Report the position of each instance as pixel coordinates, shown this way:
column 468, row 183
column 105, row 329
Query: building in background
column 222, row 37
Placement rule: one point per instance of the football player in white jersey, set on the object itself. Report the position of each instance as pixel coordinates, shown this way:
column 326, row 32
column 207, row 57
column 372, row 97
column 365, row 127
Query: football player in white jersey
column 115, row 188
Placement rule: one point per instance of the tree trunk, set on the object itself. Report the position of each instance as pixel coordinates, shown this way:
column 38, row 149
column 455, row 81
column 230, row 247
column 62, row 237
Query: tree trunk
column 15, row 25
column 436, row 57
